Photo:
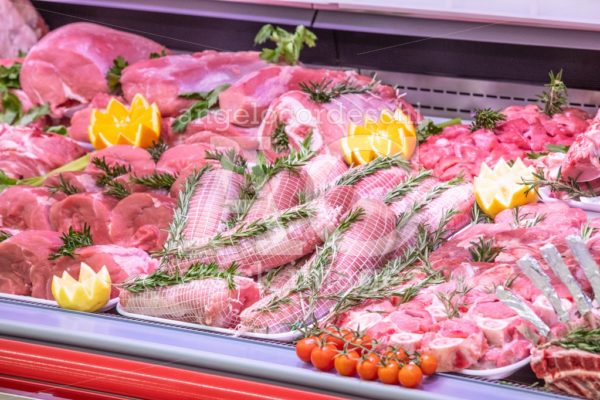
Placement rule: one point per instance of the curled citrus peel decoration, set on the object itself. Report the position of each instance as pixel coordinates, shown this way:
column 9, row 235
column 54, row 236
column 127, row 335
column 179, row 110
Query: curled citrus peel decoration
column 136, row 125
column 501, row 188
column 89, row 293
column 394, row 133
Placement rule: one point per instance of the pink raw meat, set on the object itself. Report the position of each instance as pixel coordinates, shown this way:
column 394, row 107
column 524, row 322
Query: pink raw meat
column 360, row 251
column 376, row 186
column 323, row 169
column 138, row 159
column 206, row 302
column 79, row 209
column 22, row 27
column 71, row 62
column 328, row 122
column 141, row 220
column 24, row 265
column 457, row 345
column 281, row 245
column 82, row 181
column 26, row 152
column 80, row 121
column 23, row 207
column 246, row 101
column 583, row 160
column 162, row 80
column 183, row 156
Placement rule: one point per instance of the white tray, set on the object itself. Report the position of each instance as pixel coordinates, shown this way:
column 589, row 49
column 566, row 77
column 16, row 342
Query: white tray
column 280, row 337
column 109, row 306
column 497, row 373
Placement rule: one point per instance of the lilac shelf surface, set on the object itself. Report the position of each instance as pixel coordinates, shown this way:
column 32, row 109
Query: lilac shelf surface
column 254, row 359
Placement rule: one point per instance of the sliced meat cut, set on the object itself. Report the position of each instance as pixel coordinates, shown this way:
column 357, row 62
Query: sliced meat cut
column 359, row 252
column 206, row 302
column 247, row 100
column 70, row 63
column 162, row 80
column 183, row 156
column 26, row 151
column 21, row 29
column 141, row 220
column 138, row 160
column 583, row 158
column 572, row 371
column 24, row 265
column 84, row 209
column 23, row 208
column 280, row 245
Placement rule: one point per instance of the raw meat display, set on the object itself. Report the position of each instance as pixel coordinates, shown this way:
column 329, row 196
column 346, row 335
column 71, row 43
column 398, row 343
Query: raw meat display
column 70, row 64
column 273, row 199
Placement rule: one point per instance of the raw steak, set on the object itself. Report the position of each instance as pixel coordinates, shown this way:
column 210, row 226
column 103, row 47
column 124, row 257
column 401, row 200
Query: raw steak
column 360, row 251
column 121, row 262
column 138, row 159
column 22, row 27
column 583, row 158
column 70, row 63
column 24, row 265
column 79, row 209
column 247, row 100
column 281, row 245
column 571, row 371
column 23, row 208
column 26, row 152
column 206, row 302
column 183, row 156
column 162, row 80
column 141, row 220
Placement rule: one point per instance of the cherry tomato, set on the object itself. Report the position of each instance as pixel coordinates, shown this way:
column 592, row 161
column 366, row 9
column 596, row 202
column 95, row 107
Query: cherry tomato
column 329, row 339
column 305, row 346
column 388, row 373
column 428, row 364
column 345, row 364
column 367, row 368
column 348, row 335
column 362, row 343
column 322, row 357
column 410, row 375
column 397, row 354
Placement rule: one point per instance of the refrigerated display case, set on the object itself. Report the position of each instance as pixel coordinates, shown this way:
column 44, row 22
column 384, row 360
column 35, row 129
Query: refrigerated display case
column 450, row 57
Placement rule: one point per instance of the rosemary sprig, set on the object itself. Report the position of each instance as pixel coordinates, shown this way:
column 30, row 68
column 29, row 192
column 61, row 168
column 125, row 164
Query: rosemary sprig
column 275, row 304
column 113, row 76
column 586, row 231
column 157, row 149
column 526, row 220
column 407, row 186
column 478, row 216
column 428, row 128
column 354, row 175
column 486, row 118
column 63, row 186
column 454, row 301
column 568, row 186
column 325, row 90
column 57, row 129
column 108, row 173
column 157, row 180
column 73, row 240
column 555, row 97
column 9, row 76
column 230, row 160
column 116, row 189
column 197, row 271
column 154, row 54
column 279, row 139
column 206, row 102
column 582, row 339
column 176, row 242
column 551, row 148
column 484, row 250
column 288, row 45
column 431, row 195
column 4, row 235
